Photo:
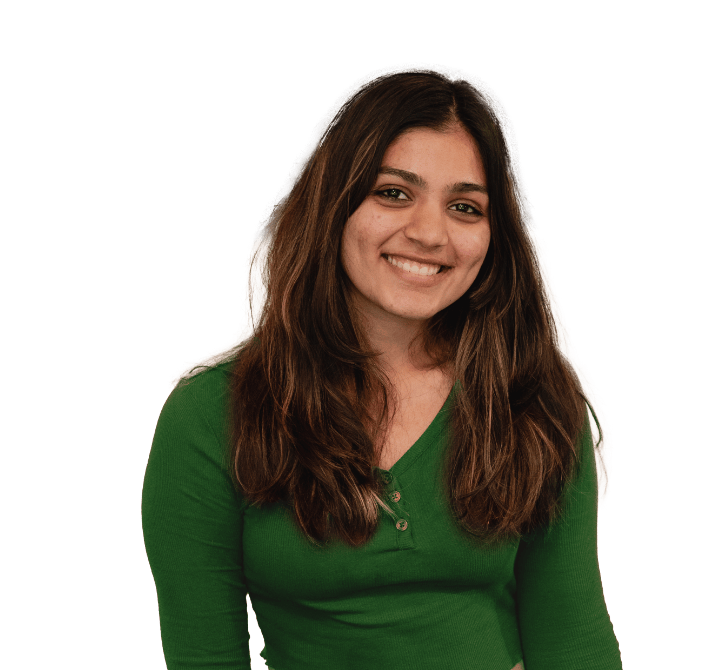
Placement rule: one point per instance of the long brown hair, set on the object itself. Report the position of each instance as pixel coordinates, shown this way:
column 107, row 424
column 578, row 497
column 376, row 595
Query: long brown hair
column 306, row 391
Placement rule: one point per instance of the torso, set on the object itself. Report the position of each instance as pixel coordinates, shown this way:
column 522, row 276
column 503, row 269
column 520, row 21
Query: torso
column 419, row 403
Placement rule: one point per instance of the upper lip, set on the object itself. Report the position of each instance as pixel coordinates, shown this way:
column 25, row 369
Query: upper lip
column 417, row 259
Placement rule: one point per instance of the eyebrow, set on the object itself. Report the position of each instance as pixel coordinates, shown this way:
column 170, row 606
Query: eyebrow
column 417, row 180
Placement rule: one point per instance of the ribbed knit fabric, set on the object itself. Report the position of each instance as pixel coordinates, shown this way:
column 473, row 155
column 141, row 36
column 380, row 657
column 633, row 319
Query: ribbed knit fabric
column 422, row 594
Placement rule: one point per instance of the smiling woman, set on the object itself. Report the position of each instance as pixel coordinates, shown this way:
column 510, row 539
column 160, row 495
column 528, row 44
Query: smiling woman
column 398, row 465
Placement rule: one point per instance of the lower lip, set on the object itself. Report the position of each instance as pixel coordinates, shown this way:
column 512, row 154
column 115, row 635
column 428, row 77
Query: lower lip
column 418, row 280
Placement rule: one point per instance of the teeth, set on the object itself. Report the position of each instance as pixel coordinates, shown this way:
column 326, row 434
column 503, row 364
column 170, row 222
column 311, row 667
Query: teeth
column 414, row 268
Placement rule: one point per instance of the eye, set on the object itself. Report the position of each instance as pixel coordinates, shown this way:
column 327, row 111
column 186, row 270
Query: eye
column 465, row 208
column 391, row 194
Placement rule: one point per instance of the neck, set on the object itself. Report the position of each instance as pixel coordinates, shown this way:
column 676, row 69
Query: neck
column 399, row 342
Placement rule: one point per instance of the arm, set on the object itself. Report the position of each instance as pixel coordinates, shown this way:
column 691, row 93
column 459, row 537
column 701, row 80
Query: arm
column 192, row 524
column 562, row 616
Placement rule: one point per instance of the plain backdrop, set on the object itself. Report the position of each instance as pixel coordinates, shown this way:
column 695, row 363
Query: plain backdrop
column 143, row 146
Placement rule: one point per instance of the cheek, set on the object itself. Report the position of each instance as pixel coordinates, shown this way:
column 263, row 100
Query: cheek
column 347, row 250
column 353, row 246
column 475, row 248
column 363, row 234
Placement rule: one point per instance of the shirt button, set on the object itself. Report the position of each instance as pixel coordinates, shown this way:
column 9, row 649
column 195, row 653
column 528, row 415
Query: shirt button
column 395, row 496
column 386, row 477
column 401, row 525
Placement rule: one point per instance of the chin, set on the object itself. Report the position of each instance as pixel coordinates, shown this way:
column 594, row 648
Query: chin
column 413, row 314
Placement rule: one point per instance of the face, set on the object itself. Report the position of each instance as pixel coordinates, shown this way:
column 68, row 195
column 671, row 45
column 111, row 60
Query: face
column 428, row 208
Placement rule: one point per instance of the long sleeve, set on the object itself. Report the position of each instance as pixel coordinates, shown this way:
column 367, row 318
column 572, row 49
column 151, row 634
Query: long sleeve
column 563, row 619
column 192, row 521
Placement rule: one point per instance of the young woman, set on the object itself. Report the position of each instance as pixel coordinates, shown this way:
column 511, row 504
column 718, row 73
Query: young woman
column 398, row 465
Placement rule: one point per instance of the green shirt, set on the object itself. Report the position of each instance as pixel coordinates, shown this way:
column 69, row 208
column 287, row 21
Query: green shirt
column 422, row 594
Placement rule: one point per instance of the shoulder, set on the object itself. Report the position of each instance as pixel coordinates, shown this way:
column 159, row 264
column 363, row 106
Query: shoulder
column 198, row 406
column 593, row 444
column 583, row 474
column 206, row 381
column 188, row 466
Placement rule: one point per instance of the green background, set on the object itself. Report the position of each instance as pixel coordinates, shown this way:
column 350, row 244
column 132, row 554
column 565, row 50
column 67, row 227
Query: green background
column 140, row 144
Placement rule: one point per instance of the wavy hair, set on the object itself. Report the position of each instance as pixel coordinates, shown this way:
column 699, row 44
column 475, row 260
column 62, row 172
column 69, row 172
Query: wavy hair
column 306, row 390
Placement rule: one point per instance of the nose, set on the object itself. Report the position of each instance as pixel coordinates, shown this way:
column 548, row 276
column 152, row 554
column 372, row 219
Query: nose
column 427, row 226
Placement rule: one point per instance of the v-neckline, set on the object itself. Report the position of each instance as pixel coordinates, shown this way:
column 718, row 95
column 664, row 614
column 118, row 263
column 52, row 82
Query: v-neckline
column 424, row 441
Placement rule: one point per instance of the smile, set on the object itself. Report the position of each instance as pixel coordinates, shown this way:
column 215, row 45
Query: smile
column 413, row 267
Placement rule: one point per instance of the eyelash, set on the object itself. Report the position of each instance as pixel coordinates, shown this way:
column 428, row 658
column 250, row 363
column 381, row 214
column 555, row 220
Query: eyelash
column 383, row 191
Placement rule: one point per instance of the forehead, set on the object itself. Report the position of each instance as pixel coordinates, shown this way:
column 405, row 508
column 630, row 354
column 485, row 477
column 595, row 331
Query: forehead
column 434, row 154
